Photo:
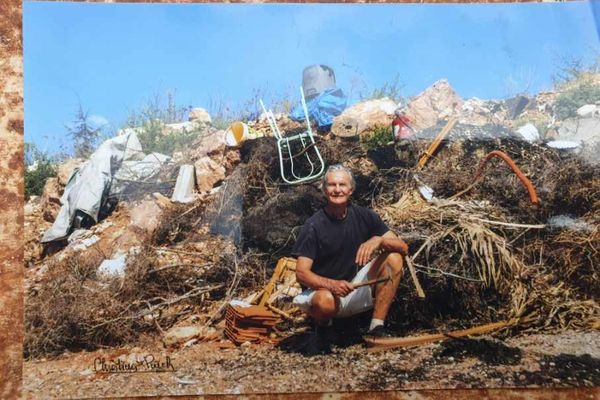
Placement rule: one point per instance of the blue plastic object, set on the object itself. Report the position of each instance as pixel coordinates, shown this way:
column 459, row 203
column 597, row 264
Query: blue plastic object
column 322, row 108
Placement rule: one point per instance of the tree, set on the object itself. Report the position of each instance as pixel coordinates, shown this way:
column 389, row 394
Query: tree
column 39, row 166
column 85, row 136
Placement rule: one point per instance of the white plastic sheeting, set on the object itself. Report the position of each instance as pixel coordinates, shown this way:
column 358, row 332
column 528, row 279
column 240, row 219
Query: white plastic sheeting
column 120, row 157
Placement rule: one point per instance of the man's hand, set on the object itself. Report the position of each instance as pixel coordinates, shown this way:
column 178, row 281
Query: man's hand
column 367, row 249
column 340, row 288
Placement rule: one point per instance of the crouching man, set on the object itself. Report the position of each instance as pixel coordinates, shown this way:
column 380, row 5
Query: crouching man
column 340, row 246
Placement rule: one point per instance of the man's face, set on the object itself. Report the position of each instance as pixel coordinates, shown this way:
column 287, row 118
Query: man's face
column 338, row 188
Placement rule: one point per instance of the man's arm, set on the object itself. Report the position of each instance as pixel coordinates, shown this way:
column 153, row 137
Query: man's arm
column 306, row 277
column 388, row 242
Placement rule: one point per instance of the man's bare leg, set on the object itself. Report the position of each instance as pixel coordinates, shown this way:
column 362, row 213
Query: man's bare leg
column 323, row 306
column 385, row 265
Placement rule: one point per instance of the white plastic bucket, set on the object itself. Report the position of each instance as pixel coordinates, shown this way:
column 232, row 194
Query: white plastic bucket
column 238, row 132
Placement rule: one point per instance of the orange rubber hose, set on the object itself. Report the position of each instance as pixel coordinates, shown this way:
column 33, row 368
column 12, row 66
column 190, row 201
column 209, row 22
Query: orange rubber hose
column 526, row 182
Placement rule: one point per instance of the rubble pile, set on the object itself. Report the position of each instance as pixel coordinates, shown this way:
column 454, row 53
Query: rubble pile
column 483, row 250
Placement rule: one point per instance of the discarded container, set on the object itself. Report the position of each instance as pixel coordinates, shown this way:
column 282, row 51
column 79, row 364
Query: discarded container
column 563, row 144
column 185, row 187
column 238, row 132
column 317, row 79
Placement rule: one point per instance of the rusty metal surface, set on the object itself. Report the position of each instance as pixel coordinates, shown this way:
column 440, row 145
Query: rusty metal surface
column 11, row 233
column 11, row 199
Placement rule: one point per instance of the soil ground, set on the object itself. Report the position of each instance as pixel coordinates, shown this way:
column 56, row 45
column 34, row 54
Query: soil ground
column 568, row 359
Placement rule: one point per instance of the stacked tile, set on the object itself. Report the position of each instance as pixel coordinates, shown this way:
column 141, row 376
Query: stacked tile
column 249, row 324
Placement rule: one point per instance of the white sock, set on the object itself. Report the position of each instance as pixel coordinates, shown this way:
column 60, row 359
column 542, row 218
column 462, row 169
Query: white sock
column 375, row 323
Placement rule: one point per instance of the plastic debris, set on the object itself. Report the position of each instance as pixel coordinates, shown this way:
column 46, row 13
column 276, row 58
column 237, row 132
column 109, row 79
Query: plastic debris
column 185, row 187
column 563, row 144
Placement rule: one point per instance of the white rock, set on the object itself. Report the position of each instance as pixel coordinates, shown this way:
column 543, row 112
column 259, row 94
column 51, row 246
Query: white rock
column 363, row 117
column 114, row 266
column 529, row 132
column 587, row 110
column 145, row 215
column 179, row 127
column 200, row 115
column 436, row 102
column 183, row 334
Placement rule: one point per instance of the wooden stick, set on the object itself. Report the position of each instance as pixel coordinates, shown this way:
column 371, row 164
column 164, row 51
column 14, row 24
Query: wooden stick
column 413, row 275
column 410, row 341
column 436, row 143
column 281, row 312
column 371, row 282
column 511, row 225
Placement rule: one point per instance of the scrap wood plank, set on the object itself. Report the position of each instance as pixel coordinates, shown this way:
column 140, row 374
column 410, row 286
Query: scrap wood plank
column 413, row 275
column 410, row 341
column 436, row 143
column 282, row 265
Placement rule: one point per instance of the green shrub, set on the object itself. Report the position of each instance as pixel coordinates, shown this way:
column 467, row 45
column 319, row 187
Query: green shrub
column 39, row 166
column 581, row 93
column 36, row 179
column 391, row 90
column 154, row 139
column 380, row 136
column 149, row 122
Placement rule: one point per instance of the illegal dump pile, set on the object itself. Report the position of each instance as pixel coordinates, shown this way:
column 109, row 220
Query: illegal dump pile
column 486, row 248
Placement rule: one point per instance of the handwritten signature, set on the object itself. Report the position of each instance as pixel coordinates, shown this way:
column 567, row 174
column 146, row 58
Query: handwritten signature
column 148, row 363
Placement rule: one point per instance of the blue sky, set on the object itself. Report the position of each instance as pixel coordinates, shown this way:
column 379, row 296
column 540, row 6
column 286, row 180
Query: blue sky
column 114, row 57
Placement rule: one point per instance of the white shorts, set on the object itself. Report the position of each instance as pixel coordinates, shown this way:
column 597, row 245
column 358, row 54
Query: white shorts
column 357, row 301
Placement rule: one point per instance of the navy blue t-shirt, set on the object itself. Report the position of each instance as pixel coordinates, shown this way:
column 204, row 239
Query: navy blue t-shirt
column 332, row 244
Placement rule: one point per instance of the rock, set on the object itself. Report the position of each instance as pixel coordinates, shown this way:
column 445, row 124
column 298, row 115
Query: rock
column 517, row 105
column 200, row 115
column 161, row 200
column 364, row 117
column 477, row 112
column 208, row 173
column 209, row 144
column 179, row 127
column 114, row 266
column 145, row 216
column 439, row 101
column 32, row 206
column 50, row 201
column 588, row 110
column 529, row 132
column 231, row 160
column 586, row 131
column 66, row 169
column 184, row 334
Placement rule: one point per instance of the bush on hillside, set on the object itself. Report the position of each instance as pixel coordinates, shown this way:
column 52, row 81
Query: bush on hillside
column 581, row 93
